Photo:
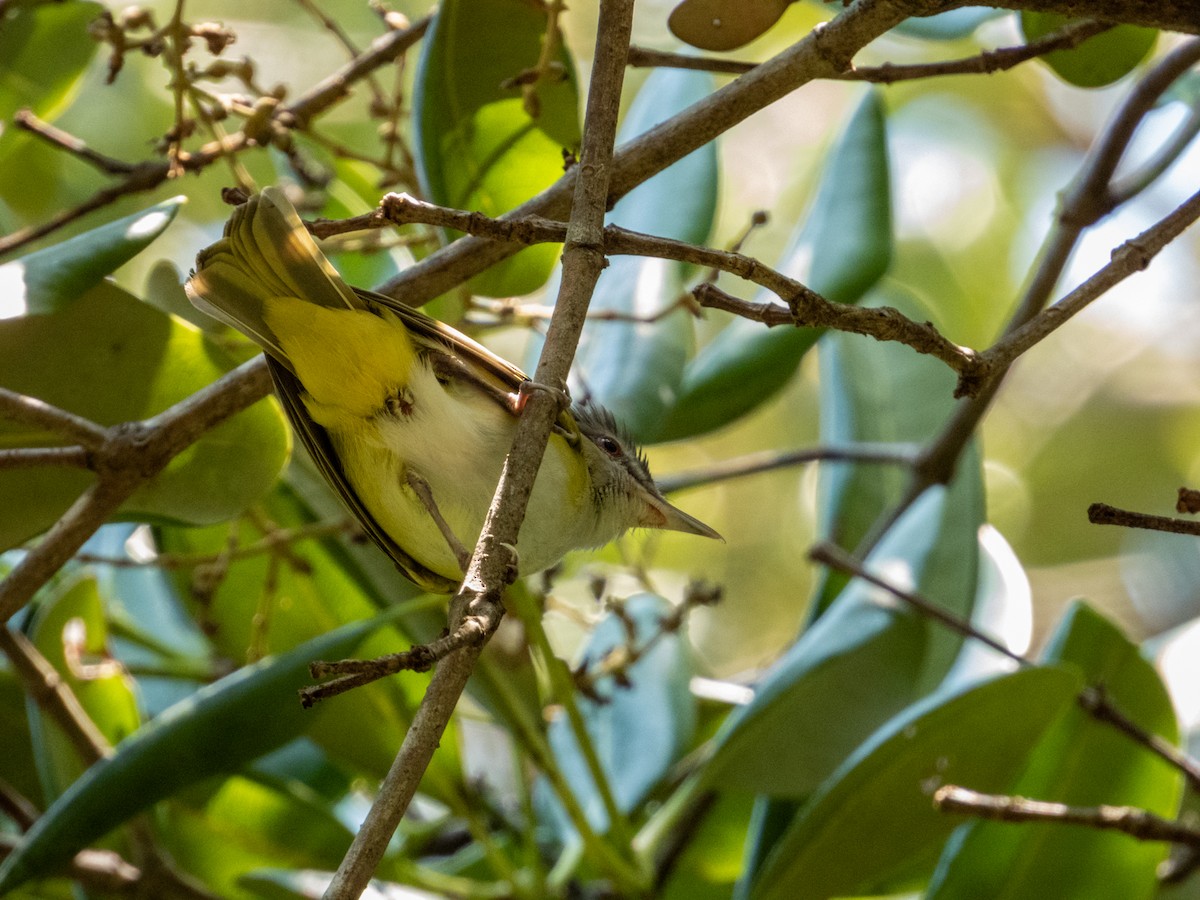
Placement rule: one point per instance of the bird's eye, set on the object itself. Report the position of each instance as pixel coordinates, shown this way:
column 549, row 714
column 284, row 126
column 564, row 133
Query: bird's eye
column 610, row 445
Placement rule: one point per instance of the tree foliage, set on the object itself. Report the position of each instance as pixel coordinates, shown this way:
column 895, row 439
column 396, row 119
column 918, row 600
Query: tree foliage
column 853, row 258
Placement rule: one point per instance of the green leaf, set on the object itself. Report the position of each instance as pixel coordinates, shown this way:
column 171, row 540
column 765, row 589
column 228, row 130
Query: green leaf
column 1082, row 762
column 861, row 663
column 111, row 358
column 50, row 280
column 70, row 631
column 273, row 602
column 476, row 146
column 843, row 248
column 635, row 368
column 872, row 824
column 712, row 858
column 1098, row 61
column 638, row 729
column 243, row 826
column 245, row 715
column 44, row 50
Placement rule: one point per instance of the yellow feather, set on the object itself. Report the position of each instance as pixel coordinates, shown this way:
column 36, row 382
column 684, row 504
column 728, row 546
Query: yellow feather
column 349, row 360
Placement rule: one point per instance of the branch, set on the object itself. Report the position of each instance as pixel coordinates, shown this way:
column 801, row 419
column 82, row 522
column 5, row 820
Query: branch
column 823, row 53
column 804, row 306
column 1137, row 823
column 131, row 453
column 836, row 558
column 988, row 62
column 490, row 570
column 769, row 461
column 1085, row 202
column 1129, row 258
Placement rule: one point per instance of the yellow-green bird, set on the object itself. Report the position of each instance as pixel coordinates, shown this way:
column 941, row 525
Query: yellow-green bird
column 408, row 419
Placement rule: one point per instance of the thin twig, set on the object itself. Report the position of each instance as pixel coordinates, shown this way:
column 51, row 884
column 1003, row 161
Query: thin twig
column 836, row 558
column 1096, row 701
column 147, row 176
column 1137, row 823
column 26, row 120
column 30, row 457
column 769, row 461
column 1103, row 514
column 32, row 411
column 1133, row 256
column 804, row 308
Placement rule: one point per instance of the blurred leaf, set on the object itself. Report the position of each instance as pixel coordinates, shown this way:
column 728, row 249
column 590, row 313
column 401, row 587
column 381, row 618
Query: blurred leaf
column 1100, row 60
column 639, row 728
column 871, row 823
column 635, row 368
column 841, row 251
column 44, row 49
column 111, row 358
column 1083, row 762
column 19, row 766
column 49, row 280
column 951, row 25
column 476, row 146
column 712, row 858
column 720, row 25
column 70, row 631
column 273, row 601
column 243, row 826
column 246, row 714
column 861, row 663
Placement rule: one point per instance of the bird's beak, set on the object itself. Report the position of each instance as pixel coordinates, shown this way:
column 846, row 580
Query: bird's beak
column 658, row 513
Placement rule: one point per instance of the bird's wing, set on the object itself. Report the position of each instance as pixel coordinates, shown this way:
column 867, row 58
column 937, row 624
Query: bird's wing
column 316, row 441
column 497, row 376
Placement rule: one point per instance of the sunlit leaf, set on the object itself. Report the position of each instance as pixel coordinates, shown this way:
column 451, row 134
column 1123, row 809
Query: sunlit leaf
column 477, row 147
column 1100, row 60
column 111, row 358
column 842, row 249
column 872, row 824
column 1083, row 762
column 49, row 280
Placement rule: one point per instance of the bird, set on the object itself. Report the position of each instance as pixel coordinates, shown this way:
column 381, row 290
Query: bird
column 410, row 420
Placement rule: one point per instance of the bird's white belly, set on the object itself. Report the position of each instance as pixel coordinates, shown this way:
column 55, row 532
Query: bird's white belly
column 456, row 441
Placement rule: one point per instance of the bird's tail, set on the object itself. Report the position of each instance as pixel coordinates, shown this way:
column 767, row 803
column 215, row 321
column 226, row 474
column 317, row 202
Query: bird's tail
column 266, row 253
